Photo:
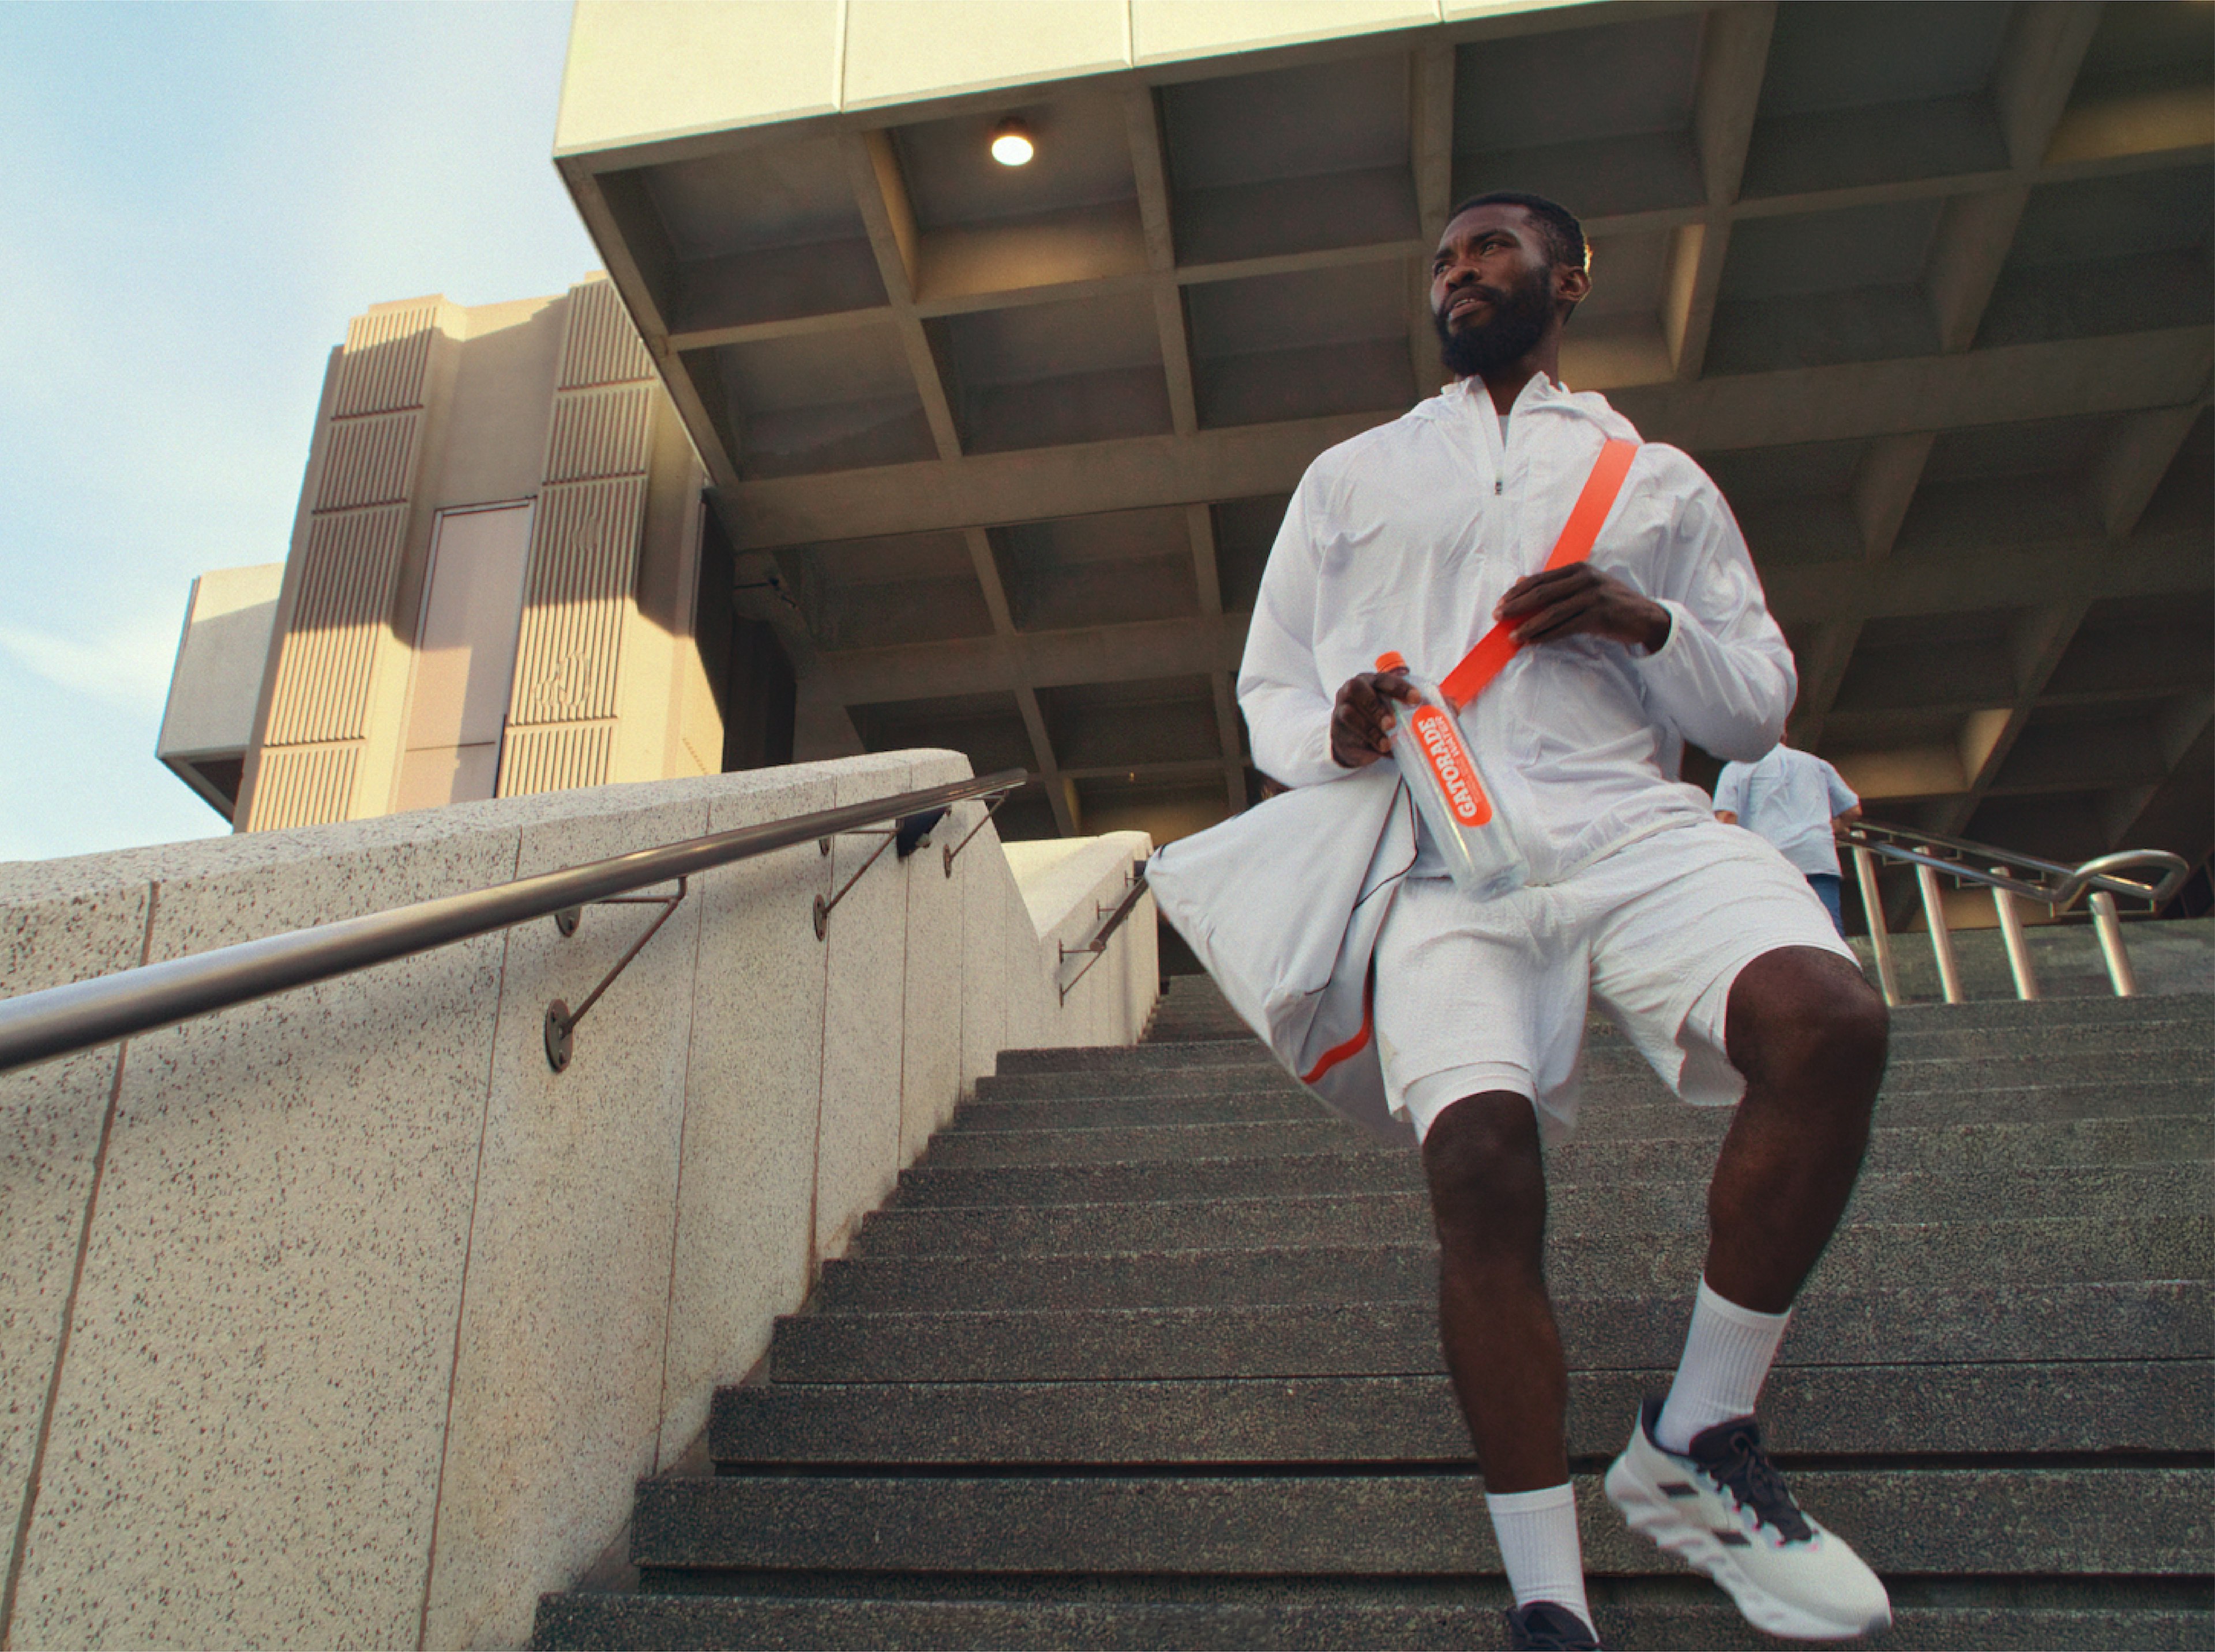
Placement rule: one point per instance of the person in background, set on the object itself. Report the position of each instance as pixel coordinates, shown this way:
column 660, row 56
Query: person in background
column 1795, row 801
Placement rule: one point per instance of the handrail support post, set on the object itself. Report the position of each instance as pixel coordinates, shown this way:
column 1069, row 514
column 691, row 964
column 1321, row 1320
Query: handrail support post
column 1942, row 938
column 1887, row 978
column 2018, row 948
column 561, row 1019
column 953, row 851
column 824, row 908
column 1096, row 947
column 2107, row 922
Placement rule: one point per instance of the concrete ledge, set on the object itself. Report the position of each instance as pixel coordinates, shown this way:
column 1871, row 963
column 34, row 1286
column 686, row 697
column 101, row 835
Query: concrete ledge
column 341, row 1318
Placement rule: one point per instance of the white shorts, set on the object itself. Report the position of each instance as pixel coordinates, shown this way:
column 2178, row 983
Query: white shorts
column 1473, row 997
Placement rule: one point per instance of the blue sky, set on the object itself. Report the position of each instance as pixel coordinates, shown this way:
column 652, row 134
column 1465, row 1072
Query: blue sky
column 198, row 198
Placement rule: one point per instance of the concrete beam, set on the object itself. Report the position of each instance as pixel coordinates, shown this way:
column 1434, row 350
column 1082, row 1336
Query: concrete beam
column 1734, row 62
column 1822, row 666
column 879, row 192
column 1105, row 654
column 986, row 560
column 1821, row 592
column 1142, row 119
column 2178, row 728
column 1038, row 485
column 2018, row 383
column 2037, row 70
column 1884, row 485
column 1207, row 580
column 1688, row 300
column 1974, row 234
column 2136, row 457
column 1430, row 157
column 2040, row 637
column 1060, row 797
column 1909, row 772
column 2132, row 373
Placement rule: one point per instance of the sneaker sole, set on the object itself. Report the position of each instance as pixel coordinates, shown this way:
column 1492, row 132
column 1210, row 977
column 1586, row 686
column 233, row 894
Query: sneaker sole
column 1654, row 1517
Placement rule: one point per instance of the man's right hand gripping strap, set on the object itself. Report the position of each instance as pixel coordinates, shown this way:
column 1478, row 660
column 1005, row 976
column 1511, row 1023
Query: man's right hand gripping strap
column 1497, row 646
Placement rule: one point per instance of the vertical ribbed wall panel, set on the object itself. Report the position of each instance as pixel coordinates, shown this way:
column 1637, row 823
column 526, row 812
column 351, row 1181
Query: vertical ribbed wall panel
column 321, row 691
column 369, row 460
column 387, row 355
column 304, row 785
column 584, row 555
column 585, row 538
column 319, row 707
column 599, row 345
column 556, row 758
column 600, row 432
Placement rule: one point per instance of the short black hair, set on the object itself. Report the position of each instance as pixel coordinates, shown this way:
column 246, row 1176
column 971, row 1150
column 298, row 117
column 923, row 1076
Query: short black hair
column 1564, row 236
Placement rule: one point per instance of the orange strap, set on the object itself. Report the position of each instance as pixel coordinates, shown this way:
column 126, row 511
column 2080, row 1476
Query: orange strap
column 1497, row 646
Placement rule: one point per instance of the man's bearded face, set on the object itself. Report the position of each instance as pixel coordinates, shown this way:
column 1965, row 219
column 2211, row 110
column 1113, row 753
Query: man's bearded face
column 1515, row 322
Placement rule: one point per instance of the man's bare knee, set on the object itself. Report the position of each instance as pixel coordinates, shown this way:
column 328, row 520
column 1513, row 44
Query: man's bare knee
column 1802, row 1019
column 1482, row 1158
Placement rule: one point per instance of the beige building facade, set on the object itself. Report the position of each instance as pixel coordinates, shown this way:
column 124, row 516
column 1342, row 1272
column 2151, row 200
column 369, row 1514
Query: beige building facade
column 490, row 589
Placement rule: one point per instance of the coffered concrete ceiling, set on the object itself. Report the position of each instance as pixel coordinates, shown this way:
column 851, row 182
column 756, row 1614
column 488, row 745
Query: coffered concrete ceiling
column 1926, row 287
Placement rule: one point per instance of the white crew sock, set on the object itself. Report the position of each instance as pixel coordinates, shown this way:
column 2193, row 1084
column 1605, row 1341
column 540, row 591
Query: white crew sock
column 1538, row 1533
column 1727, row 1356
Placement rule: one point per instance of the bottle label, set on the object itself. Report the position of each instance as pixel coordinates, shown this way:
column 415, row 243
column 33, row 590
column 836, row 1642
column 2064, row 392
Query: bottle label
column 1439, row 742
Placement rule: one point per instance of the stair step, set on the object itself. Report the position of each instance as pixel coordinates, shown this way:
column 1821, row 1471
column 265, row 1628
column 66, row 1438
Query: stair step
column 2174, row 1139
column 1887, row 1411
column 2198, row 1007
column 1133, row 1058
column 1197, row 1135
column 652, row 1622
column 1600, row 1209
column 1100, row 1112
column 1614, row 1074
column 927, row 1185
column 1988, row 1521
column 1928, row 1255
column 1043, row 1078
column 1943, row 1104
column 1689, row 1154
column 2165, row 1320
column 1893, row 1148
column 1317, row 1133
column 1913, row 1038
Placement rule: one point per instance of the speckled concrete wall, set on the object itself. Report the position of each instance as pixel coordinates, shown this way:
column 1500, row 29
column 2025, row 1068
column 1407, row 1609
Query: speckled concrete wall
column 341, row 1320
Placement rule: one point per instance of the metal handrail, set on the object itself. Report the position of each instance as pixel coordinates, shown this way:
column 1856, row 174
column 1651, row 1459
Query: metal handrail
column 1933, row 855
column 1113, row 920
column 1945, row 854
column 39, row 1026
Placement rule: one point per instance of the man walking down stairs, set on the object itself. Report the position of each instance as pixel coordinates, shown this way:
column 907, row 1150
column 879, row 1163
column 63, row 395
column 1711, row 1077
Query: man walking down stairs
column 1145, row 1353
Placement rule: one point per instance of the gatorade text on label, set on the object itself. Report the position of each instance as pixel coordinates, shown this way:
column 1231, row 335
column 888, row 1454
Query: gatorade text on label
column 1448, row 787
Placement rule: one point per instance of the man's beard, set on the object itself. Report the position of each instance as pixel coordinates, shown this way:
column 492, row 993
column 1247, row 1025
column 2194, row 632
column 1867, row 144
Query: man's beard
column 1517, row 322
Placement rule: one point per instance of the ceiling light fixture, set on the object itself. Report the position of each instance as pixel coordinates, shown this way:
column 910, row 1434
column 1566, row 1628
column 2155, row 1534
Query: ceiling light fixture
column 1011, row 143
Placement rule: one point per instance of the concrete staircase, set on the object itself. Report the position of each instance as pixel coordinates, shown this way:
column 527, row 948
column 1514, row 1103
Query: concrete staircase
column 1143, row 1355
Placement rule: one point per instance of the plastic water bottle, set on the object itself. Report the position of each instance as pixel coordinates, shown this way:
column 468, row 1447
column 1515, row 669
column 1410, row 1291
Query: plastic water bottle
column 1464, row 822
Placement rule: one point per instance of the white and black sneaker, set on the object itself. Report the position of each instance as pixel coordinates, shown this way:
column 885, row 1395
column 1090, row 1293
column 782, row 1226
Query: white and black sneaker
column 1723, row 1508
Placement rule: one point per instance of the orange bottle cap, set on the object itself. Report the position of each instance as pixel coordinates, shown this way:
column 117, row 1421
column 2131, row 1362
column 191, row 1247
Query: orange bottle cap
column 1391, row 660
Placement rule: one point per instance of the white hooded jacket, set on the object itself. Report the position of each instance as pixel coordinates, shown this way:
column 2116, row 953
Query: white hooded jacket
column 1406, row 537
